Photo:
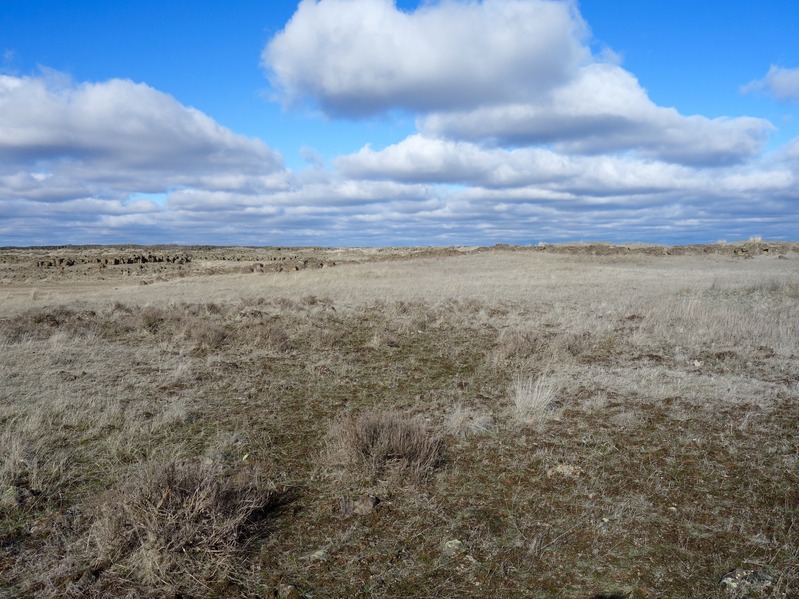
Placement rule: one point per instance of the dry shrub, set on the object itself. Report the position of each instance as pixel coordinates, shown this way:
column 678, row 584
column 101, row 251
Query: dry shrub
column 178, row 527
column 375, row 443
column 151, row 318
column 170, row 321
column 19, row 480
column 31, row 471
column 43, row 323
column 268, row 335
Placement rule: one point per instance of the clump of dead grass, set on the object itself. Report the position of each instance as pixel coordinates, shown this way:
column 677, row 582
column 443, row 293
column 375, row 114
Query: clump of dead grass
column 178, row 527
column 533, row 398
column 519, row 345
column 465, row 422
column 375, row 443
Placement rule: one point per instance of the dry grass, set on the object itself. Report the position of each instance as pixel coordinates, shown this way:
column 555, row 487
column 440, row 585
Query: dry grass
column 177, row 527
column 533, row 399
column 465, row 422
column 671, row 458
column 374, row 444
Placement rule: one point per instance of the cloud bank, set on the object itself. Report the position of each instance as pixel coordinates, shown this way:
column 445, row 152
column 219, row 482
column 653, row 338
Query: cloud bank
column 522, row 135
column 117, row 134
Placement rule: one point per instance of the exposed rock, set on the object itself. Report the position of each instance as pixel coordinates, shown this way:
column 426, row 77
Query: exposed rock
column 564, row 470
column 365, row 505
column 743, row 583
column 288, row 591
column 453, row 547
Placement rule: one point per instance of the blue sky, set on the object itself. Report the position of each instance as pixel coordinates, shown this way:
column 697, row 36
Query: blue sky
column 370, row 122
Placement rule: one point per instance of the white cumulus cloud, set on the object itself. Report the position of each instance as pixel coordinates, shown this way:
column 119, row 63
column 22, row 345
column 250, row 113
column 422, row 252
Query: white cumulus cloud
column 76, row 157
column 360, row 57
column 604, row 109
column 506, row 72
column 537, row 172
column 118, row 136
column 779, row 82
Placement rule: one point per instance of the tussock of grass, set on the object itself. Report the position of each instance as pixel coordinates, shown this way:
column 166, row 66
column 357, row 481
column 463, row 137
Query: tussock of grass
column 519, row 345
column 373, row 443
column 178, row 527
column 465, row 422
column 533, row 398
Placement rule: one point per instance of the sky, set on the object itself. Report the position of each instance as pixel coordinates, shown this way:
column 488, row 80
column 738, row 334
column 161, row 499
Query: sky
column 378, row 123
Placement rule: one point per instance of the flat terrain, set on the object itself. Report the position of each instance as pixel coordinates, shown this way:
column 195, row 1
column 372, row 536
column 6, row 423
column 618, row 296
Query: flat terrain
column 563, row 421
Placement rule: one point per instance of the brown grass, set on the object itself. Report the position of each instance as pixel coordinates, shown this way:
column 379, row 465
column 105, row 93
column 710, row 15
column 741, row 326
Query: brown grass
column 177, row 527
column 374, row 443
column 664, row 458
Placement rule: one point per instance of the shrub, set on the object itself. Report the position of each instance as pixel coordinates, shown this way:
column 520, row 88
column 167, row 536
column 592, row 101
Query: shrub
column 373, row 443
column 178, row 527
column 151, row 318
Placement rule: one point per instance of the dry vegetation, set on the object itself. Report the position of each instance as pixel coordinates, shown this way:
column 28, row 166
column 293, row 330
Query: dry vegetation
column 586, row 422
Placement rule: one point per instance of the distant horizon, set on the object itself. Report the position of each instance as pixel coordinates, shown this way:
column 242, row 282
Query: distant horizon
column 498, row 245
column 408, row 123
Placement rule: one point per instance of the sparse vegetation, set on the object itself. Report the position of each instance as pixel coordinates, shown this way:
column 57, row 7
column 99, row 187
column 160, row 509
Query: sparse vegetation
column 518, row 422
column 377, row 443
column 177, row 527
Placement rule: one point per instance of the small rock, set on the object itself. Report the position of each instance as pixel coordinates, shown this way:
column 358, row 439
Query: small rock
column 782, row 257
column 320, row 555
column 288, row 591
column 743, row 583
column 365, row 504
column 452, row 547
column 564, row 470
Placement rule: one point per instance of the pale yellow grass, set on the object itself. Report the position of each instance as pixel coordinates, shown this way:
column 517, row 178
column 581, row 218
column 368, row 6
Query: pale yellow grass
column 549, row 375
column 530, row 277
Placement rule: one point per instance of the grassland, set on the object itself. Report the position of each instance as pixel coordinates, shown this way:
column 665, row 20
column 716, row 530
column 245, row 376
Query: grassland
column 582, row 421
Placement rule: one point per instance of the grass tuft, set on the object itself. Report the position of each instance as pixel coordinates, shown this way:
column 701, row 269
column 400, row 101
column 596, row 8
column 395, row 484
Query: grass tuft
column 373, row 443
column 533, row 399
column 465, row 422
column 178, row 527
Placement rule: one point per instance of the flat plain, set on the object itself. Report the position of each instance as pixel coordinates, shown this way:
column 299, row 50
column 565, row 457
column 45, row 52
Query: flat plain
column 561, row 421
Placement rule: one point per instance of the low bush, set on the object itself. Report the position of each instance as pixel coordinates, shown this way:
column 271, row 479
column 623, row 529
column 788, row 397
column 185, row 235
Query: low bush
column 373, row 443
column 178, row 527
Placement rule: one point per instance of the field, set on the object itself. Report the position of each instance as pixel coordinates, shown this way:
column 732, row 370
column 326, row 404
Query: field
column 565, row 421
